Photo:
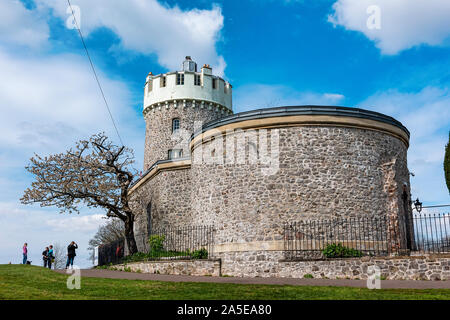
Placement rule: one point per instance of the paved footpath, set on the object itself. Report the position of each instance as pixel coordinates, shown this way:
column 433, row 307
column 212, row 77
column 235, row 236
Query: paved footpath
column 385, row 284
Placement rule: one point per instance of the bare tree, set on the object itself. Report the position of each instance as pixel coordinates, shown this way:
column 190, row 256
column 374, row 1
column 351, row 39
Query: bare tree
column 96, row 173
column 60, row 256
column 113, row 230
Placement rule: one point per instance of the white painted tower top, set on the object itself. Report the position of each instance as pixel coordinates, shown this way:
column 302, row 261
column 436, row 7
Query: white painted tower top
column 202, row 88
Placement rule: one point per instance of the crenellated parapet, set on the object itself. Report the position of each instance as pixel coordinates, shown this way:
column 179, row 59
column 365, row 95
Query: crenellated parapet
column 188, row 88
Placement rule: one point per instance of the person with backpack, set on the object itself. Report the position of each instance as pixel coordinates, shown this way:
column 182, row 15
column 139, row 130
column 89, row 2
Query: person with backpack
column 71, row 253
column 25, row 253
column 51, row 256
column 45, row 257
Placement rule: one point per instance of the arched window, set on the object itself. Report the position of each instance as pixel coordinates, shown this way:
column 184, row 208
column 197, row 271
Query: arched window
column 175, row 125
column 149, row 218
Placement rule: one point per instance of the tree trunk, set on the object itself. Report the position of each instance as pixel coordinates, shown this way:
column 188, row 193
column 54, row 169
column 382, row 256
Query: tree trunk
column 129, row 235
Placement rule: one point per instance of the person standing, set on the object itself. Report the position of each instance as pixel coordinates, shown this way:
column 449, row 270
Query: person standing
column 25, row 253
column 51, row 256
column 45, row 257
column 71, row 253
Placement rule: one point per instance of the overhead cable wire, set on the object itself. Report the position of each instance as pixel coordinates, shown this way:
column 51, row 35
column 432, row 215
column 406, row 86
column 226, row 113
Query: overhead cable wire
column 95, row 73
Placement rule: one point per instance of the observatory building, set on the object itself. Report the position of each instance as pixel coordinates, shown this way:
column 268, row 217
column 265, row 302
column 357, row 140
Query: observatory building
column 250, row 173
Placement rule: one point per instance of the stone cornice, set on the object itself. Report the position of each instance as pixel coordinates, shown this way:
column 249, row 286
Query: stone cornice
column 182, row 103
column 161, row 165
column 303, row 116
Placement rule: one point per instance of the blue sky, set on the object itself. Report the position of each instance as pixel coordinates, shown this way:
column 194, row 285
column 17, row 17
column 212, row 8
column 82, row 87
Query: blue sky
column 273, row 52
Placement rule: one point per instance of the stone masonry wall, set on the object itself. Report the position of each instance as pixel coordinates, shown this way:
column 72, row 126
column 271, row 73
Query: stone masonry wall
column 176, row 267
column 271, row 264
column 169, row 195
column 265, row 264
column 324, row 172
column 158, row 135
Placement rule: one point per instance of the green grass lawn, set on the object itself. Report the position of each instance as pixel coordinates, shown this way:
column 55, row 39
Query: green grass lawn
column 31, row 282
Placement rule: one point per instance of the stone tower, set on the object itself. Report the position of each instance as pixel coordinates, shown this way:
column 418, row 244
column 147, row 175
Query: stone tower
column 175, row 102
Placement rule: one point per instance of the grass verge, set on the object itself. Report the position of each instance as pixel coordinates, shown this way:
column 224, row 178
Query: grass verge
column 32, row 282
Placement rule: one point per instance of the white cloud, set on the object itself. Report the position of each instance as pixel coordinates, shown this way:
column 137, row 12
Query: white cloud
column 427, row 116
column 149, row 27
column 42, row 227
column 333, row 97
column 45, row 218
column 257, row 96
column 404, row 23
column 20, row 26
column 79, row 224
column 48, row 103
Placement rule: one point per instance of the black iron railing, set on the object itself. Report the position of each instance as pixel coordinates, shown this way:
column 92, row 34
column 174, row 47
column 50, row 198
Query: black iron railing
column 304, row 240
column 193, row 242
column 371, row 236
column 111, row 253
column 367, row 235
column 432, row 233
column 177, row 243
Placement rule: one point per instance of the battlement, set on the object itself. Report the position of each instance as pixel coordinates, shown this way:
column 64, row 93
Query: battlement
column 188, row 87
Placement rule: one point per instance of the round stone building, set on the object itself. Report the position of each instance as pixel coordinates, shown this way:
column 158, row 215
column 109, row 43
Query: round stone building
column 248, row 174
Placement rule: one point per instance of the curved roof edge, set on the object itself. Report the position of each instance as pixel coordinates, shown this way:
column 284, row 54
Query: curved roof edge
column 152, row 167
column 301, row 110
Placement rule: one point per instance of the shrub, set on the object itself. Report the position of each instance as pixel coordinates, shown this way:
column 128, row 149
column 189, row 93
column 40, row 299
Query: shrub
column 138, row 256
column 156, row 243
column 200, row 254
column 337, row 250
column 308, row 276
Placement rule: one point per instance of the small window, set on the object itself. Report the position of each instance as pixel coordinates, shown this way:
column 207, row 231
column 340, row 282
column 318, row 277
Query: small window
column 175, row 153
column 196, row 79
column 175, row 125
column 214, row 83
column 149, row 86
column 180, row 79
column 162, row 81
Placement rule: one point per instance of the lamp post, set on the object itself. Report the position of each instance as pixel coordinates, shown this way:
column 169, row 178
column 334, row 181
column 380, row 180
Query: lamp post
column 417, row 205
